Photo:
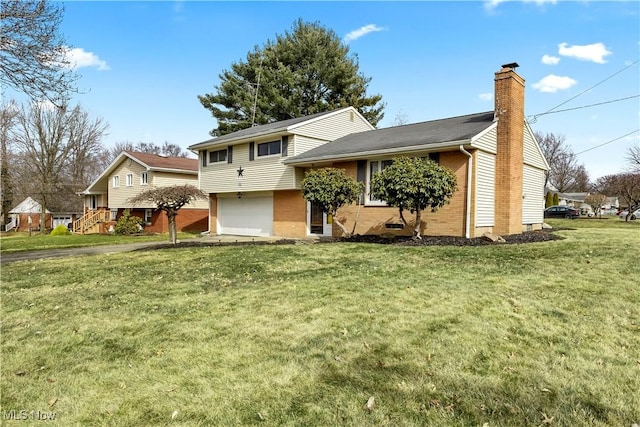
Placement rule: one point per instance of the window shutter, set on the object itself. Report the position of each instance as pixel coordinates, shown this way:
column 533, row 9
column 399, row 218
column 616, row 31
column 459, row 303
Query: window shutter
column 204, row 158
column 230, row 154
column 361, row 176
column 252, row 149
column 285, row 146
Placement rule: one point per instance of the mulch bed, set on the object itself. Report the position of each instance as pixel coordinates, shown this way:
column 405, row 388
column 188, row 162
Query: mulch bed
column 528, row 237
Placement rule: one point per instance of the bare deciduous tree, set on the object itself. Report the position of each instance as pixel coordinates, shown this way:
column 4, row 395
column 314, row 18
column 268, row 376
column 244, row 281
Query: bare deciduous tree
column 633, row 156
column 596, row 201
column 167, row 149
column 566, row 174
column 54, row 147
column 8, row 115
column 625, row 186
column 33, row 55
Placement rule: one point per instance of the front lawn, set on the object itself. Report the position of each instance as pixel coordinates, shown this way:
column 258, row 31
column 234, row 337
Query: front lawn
column 509, row 335
column 22, row 242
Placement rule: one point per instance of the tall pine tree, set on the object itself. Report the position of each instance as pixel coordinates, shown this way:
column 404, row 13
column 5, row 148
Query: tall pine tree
column 305, row 71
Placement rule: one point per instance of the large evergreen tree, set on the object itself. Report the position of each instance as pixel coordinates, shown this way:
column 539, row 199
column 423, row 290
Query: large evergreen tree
column 305, row 71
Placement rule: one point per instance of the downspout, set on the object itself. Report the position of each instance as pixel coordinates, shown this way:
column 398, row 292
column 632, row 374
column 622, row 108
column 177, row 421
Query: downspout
column 467, row 226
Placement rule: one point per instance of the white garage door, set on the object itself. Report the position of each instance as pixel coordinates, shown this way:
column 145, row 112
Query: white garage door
column 247, row 216
column 57, row 220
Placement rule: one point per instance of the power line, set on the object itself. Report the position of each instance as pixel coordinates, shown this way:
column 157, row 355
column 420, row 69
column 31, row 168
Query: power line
column 590, row 105
column 535, row 117
column 608, row 142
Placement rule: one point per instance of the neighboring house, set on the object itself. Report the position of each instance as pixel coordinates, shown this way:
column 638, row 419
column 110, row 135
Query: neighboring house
column 253, row 176
column 29, row 212
column 108, row 196
column 577, row 200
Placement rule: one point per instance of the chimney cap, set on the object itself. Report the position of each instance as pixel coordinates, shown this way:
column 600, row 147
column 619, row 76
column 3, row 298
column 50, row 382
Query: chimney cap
column 511, row 65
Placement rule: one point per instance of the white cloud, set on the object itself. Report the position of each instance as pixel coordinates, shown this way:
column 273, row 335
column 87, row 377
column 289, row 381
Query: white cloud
column 591, row 52
column 553, row 83
column 492, row 4
column 79, row 58
column 486, row 96
column 362, row 31
column 550, row 60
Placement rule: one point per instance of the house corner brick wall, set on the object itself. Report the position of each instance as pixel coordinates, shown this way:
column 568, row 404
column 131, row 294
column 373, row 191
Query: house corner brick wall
column 289, row 214
column 509, row 107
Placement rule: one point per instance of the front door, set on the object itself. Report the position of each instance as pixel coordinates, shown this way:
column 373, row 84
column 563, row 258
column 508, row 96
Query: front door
column 317, row 220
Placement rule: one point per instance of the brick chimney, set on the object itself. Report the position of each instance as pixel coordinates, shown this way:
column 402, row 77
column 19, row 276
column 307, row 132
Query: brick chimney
column 509, row 112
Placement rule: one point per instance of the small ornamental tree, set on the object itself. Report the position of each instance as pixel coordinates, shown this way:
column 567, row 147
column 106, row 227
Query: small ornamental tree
column 331, row 189
column 128, row 224
column 414, row 184
column 170, row 200
column 556, row 199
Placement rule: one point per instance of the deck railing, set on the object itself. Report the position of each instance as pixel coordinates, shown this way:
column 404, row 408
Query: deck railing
column 90, row 219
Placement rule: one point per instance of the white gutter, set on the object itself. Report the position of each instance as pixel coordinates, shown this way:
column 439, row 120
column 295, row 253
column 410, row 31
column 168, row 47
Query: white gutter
column 467, row 226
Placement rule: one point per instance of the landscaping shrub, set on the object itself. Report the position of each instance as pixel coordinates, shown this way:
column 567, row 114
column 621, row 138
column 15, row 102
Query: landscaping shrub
column 128, row 224
column 60, row 230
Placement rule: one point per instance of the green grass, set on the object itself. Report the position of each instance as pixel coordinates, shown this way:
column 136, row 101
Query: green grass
column 22, row 242
column 511, row 335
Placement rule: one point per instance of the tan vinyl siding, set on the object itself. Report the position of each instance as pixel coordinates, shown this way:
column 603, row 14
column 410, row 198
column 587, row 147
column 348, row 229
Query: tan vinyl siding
column 262, row 174
column 488, row 140
column 333, row 127
column 119, row 196
column 533, row 192
column 532, row 154
column 485, row 189
column 302, row 144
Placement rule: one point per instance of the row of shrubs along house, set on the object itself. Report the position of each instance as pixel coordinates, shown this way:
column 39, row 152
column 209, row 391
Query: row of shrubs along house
column 253, row 176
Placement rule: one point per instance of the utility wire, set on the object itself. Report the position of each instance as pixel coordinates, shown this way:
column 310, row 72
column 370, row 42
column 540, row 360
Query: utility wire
column 608, row 142
column 535, row 117
column 591, row 105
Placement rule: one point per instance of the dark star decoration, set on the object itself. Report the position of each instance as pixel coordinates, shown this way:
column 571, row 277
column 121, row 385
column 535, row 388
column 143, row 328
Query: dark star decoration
column 240, row 172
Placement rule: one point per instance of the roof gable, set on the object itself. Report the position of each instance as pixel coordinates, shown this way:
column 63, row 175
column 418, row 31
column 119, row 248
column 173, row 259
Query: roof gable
column 28, row 205
column 270, row 128
column 151, row 162
column 395, row 139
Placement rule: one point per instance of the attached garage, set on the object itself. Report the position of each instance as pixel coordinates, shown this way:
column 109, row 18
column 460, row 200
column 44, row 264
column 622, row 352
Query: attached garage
column 247, row 215
column 62, row 220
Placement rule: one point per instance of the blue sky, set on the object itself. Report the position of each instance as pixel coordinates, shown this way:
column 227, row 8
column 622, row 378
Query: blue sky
column 144, row 63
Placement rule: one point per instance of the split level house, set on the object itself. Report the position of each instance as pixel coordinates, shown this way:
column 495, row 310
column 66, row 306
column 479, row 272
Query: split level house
column 106, row 199
column 253, row 176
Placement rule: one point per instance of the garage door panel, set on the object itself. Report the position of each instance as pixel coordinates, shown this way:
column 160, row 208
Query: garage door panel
column 247, row 216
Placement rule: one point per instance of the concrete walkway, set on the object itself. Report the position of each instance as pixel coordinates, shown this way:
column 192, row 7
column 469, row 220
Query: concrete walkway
column 124, row 247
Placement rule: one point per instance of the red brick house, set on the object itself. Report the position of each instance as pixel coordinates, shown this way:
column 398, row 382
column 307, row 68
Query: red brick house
column 253, row 176
column 106, row 199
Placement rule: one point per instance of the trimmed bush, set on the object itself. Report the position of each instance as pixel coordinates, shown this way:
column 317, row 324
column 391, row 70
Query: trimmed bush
column 128, row 224
column 60, row 230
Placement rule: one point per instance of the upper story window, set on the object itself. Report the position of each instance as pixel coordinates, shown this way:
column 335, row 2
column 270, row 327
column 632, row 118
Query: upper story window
column 116, row 181
column 144, row 178
column 269, row 148
column 218, row 156
column 129, row 180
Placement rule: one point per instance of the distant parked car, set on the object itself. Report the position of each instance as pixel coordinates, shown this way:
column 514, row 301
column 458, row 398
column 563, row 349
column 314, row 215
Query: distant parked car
column 634, row 215
column 561, row 212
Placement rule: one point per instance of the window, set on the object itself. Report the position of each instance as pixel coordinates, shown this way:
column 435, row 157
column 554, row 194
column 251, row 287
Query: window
column 129, row 179
column 148, row 214
column 116, row 181
column 376, row 166
column 114, row 214
column 218, row 156
column 204, row 158
column 269, row 148
column 144, row 178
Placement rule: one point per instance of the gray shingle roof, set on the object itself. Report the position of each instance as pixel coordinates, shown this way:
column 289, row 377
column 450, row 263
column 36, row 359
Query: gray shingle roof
column 453, row 129
column 259, row 130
